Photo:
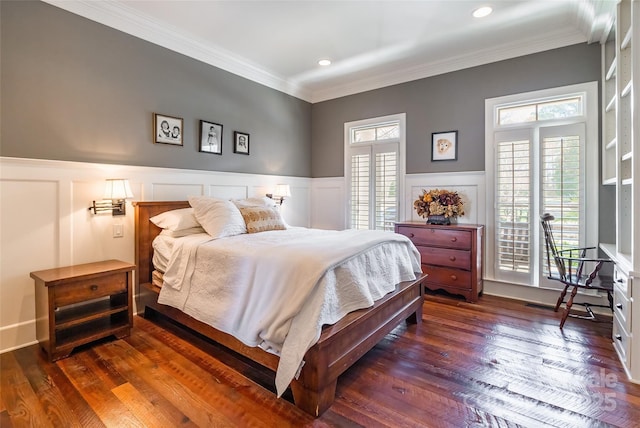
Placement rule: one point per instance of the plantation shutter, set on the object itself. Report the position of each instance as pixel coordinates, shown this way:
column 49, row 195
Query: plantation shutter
column 386, row 180
column 373, row 171
column 562, row 185
column 360, row 184
column 513, row 205
column 541, row 157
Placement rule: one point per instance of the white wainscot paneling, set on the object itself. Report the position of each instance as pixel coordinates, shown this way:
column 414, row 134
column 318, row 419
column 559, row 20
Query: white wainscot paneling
column 328, row 203
column 329, row 199
column 469, row 185
column 45, row 221
column 174, row 192
column 29, row 231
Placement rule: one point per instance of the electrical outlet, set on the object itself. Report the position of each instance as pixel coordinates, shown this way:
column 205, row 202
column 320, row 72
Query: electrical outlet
column 118, row 231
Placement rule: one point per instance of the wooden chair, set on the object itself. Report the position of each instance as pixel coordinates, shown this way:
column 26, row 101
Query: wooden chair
column 575, row 270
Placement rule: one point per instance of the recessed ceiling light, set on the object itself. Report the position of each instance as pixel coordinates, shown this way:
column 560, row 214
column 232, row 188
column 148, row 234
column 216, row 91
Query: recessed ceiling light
column 324, row 62
column 481, row 12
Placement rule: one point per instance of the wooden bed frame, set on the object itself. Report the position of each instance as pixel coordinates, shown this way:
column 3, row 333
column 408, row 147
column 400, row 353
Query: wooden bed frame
column 340, row 345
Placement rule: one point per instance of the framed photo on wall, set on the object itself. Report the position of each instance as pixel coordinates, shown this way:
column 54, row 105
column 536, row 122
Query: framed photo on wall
column 167, row 129
column 210, row 137
column 240, row 143
column 444, row 146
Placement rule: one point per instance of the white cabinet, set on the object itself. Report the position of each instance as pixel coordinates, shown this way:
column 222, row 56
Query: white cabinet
column 621, row 168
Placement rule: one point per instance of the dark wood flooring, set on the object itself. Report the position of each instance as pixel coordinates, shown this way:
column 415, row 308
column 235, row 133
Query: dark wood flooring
column 497, row 363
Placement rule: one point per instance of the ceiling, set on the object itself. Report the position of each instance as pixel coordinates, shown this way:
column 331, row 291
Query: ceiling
column 371, row 44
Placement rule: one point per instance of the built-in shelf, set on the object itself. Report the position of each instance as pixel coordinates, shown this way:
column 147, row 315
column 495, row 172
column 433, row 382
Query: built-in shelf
column 609, row 181
column 627, row 89
column 626, row 42
column 612, row 104
column 612, row 70
column 611, row 144
column 622, row 259
column 622, row 45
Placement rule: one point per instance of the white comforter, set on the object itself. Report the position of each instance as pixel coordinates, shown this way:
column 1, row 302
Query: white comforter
column 277, row 289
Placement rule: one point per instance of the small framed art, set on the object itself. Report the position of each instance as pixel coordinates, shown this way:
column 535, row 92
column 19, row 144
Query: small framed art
column 240, row 143
column 167, row 129
column 210, row 137
column 444, row 146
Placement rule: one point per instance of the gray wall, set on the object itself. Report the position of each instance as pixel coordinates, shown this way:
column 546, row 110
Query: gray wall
column 452, row 101
column 76, row 90
column 72, row 89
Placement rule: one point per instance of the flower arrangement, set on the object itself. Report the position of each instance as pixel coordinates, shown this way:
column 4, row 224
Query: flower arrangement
column 440, row 203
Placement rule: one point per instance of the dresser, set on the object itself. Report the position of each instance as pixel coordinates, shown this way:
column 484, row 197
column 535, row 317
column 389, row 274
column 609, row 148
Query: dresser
column 451, row 255
column 78, row 304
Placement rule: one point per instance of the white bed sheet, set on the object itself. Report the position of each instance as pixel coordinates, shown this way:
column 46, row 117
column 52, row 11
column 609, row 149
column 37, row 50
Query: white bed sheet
column 225, row 284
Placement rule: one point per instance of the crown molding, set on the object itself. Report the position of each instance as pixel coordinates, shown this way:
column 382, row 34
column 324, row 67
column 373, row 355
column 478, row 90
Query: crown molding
column 123, row 18
column 529, row 46
column 595, row 19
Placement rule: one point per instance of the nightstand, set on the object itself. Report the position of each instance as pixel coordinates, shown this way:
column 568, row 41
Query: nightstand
column 78, row 304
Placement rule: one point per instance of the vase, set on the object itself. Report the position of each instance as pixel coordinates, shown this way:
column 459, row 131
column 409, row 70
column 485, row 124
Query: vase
column 438, row 219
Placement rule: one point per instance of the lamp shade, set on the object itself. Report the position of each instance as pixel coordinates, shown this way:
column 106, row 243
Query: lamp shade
column 282, row 190
column 117, row 188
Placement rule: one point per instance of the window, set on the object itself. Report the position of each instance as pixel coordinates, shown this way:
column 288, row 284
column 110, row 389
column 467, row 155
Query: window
column 373, row 168
column 544, row 110
column 539, row 148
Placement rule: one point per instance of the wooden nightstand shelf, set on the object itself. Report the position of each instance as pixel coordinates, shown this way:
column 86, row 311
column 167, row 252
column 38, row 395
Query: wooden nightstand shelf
column 451, row 256
column 78, row 304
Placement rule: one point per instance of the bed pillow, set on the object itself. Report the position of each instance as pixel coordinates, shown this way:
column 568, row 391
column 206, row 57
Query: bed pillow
column 218, row 217
column 254, row 202
column 183, row 232
column 262, row 219
column 175, row 220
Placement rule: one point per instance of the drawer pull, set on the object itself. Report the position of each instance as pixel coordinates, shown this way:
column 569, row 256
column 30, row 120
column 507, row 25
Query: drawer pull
column 619, row 306
column 620, row 280
column 454, row 239
column 452, row 258
column 618, row 337
column 453, row 277
column 94, row 287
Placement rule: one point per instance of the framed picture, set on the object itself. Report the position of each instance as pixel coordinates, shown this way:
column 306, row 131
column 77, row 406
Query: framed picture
column 240, row 143
column 444, row 146
column 167, row 129
column 210, row 137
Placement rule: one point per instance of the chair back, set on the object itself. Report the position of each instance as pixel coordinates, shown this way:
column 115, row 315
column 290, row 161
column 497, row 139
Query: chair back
column 550, row 247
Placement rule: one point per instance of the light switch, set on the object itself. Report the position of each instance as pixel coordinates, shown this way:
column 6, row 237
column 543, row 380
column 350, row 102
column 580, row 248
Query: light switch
column 118, row 231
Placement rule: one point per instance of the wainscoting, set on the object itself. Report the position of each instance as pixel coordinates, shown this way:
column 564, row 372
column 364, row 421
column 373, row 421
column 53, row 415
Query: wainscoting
column 45, row 221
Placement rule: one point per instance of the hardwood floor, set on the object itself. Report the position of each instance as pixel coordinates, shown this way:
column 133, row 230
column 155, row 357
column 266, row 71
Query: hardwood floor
column 497, row 363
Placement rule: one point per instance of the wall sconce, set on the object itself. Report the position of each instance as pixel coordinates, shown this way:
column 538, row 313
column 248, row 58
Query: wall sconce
column 116, row 191
column 279, row 193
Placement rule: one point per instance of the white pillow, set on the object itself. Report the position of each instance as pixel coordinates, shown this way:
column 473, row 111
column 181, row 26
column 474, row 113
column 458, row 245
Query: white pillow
column 254, row 202
column 219, row 218
column 183, row 232
column 173, row 220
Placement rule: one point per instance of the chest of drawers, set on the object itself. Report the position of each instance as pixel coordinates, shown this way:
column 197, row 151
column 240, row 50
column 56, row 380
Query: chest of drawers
column 78, row 304
column 451, row 256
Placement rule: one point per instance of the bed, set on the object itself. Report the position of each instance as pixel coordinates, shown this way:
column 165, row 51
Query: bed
column 339, row 346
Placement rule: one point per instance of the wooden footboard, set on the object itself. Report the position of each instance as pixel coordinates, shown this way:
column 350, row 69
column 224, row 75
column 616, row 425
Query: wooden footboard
column 340, row 345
